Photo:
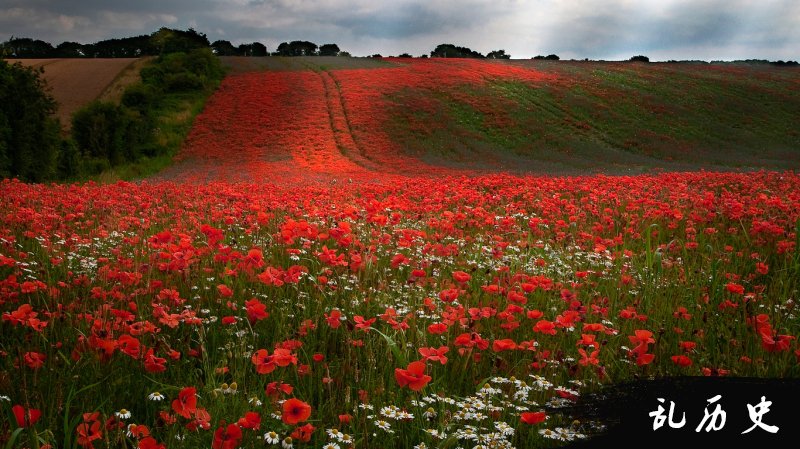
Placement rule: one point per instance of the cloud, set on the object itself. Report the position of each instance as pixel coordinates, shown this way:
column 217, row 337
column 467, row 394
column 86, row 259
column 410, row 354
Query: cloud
column 597, row 29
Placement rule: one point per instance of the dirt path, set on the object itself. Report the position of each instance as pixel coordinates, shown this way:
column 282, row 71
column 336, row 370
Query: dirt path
column 340, row 125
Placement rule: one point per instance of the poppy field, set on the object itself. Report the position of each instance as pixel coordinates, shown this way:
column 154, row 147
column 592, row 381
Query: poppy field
column 297, row 280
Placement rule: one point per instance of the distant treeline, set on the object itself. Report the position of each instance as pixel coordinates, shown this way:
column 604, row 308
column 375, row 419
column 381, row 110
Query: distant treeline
column 163, row 41
column 167, row 40
column 160, row 42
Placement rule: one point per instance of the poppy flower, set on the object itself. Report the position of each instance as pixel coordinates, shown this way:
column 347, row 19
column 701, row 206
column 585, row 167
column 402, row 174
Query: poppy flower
column 681, row 360
column 413, row 376
column 186, row 403
column 263, row 361
column 251, row 420
column 303, row 433
column 25, row 418
column 532, row 417
column 435, row 355
column 227, row 437
column 295, row 411
column 150, row 443
column 89, row 430
column 505, row 344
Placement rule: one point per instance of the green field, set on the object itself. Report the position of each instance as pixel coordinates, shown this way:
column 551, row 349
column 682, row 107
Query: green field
column 609, row 117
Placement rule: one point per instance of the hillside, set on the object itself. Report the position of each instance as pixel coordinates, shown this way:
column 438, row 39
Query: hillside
column 550, row 117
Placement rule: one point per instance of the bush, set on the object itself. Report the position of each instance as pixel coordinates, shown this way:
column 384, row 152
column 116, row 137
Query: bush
column 182, row 82
column 99, row 131
column 140, row 97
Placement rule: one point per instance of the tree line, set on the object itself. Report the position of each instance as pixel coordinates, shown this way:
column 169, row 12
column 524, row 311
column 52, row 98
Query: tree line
column 163, row 41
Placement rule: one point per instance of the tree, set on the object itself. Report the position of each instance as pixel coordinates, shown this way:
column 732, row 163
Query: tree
column 498, row 54
column 452, row 51
column 405, row 55
column 224, row 48
column 547, row 58
column 254, row 49
column 167, row 40
column 24, row 47
column 640, row 58
column 29, row 134
column 69, row 50
column 329, row 50
column 297, row 48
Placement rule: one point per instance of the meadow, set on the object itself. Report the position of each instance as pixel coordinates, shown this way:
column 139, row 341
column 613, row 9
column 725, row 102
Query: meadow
column 322, row 266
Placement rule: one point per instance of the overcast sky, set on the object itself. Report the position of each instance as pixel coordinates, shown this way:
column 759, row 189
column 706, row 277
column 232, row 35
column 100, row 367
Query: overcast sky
column 599, row 29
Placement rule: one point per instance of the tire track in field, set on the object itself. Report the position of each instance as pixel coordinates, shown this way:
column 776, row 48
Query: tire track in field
column 340, row 125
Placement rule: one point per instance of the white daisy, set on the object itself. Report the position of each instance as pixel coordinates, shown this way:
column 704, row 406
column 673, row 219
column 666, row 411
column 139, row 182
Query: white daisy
column 271, row 438
column 155, row 396
column 123, row 414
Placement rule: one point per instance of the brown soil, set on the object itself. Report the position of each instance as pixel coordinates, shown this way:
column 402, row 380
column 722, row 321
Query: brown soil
column 76, row 82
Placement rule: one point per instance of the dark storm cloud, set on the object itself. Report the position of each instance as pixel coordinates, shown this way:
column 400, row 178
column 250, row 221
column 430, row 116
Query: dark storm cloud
column 598, row 29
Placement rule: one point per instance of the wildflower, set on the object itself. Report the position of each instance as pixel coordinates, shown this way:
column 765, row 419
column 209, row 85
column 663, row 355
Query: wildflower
column 533, row 417
column 334, row 433
column 123, row 414
column 331, row 446
column 295, row 411
column 227, row 437
column 271, row 437
column 383, row 425
column 414, row 376
column 155, row 396
column 25, row 418
column 186, row 403
column 287, row 443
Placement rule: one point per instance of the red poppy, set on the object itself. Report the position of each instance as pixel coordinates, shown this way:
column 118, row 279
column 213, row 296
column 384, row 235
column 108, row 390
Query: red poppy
column 251, row 420
column 461, row 277
column 89, row 430
column 34, row 360
column 681, row 360
column 153, row 364
column 227, row 437
column 186, row 403
column 589, row 359
column 295, row 411
column 25, row 418
column 303, row 433
column 545, row 327
column 435, row 355
column 264, row 362
column 334, row 319
column 150, row 443
column 532, row 417
column 505, row 344
column 413, row 376
column 256, row 310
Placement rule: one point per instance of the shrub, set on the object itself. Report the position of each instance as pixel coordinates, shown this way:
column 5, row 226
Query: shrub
column 140, row 97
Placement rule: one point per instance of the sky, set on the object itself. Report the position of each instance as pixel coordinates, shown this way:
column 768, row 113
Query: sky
column 600, row 29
